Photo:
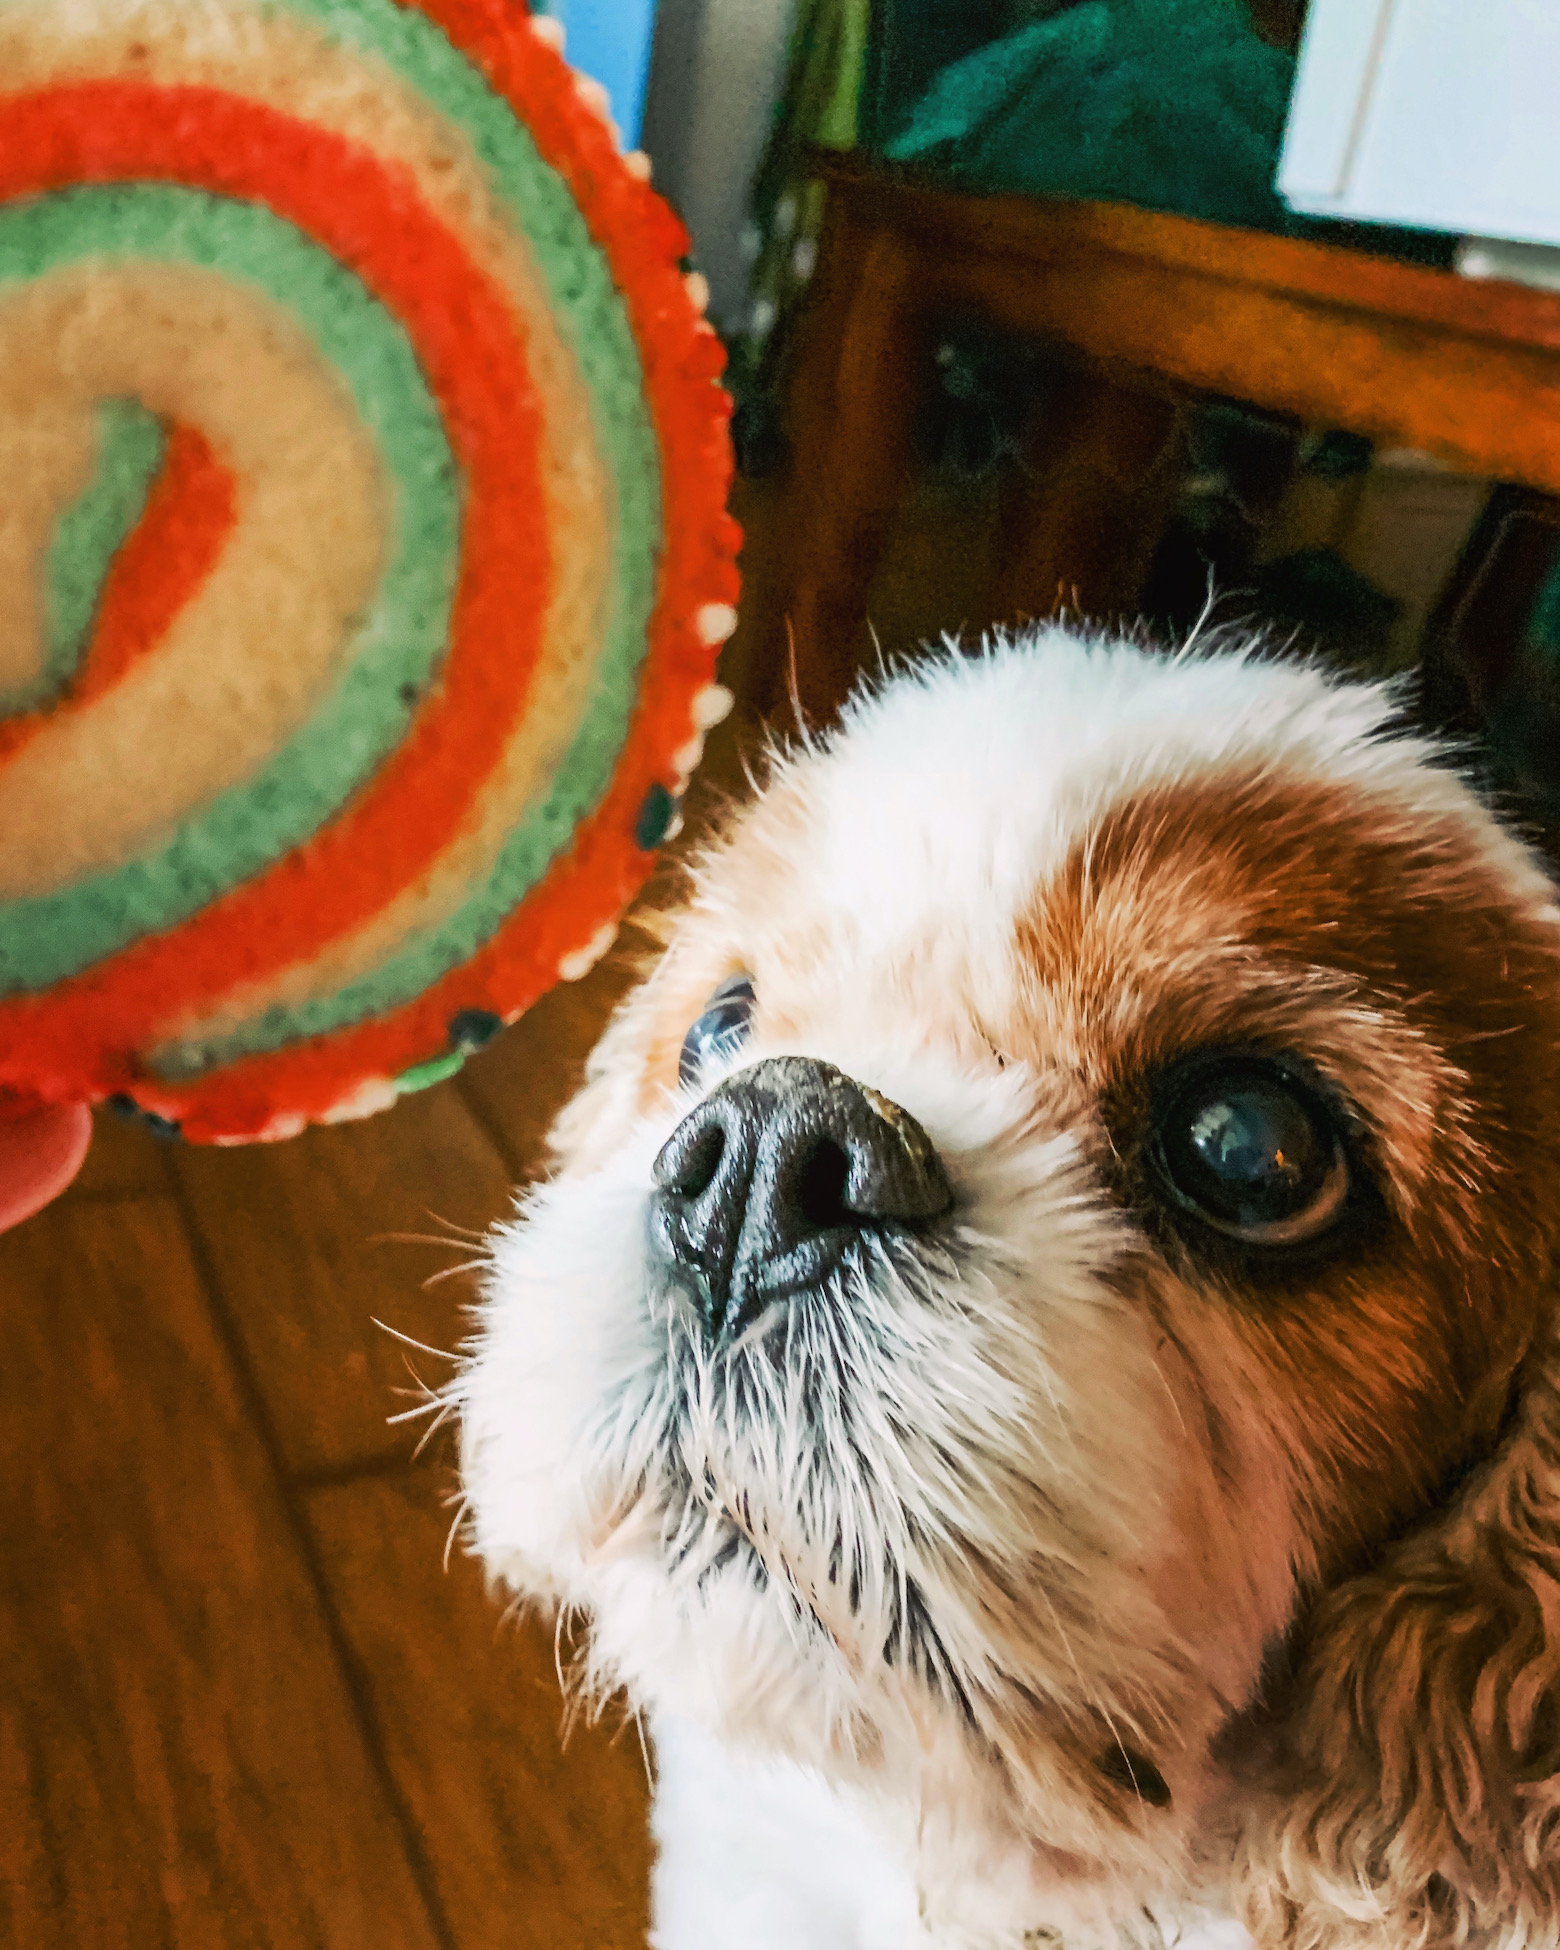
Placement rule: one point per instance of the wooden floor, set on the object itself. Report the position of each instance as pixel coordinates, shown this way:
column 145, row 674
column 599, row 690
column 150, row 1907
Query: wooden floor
column 241, row 1703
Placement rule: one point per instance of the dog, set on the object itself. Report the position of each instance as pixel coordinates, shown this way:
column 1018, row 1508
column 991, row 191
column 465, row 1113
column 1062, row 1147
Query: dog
column 1036, row 1363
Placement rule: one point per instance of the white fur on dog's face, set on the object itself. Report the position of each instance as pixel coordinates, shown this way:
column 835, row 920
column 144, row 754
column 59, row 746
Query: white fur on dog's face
column 1002, row 1523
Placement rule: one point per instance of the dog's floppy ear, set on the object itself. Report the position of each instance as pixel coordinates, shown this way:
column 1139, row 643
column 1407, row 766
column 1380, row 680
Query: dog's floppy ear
column 1422, row 1809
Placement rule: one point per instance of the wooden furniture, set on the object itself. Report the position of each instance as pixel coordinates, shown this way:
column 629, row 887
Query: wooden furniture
column 1157, row 309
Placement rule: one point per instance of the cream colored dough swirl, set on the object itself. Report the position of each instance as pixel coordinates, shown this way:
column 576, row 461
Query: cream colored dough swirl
column 51, row 447
column 283, row 63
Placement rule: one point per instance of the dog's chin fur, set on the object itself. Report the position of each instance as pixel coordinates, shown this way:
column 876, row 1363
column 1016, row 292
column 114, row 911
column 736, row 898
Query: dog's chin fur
column 1103, row 1573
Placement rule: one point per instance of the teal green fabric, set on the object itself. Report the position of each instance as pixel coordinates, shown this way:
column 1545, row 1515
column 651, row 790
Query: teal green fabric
column 1523, row 721
column 1544, row 624
column 1173, row 105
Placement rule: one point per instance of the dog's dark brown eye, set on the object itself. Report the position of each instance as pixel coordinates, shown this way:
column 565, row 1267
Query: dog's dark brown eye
column 721, row 1029
column 1252, row 1151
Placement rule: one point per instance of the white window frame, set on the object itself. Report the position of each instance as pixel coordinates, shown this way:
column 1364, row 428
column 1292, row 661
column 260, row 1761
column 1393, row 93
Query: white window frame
column 1438, row 114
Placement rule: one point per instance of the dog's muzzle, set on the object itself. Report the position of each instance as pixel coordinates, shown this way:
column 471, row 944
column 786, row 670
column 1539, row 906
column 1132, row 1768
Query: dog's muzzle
column 764, row 1187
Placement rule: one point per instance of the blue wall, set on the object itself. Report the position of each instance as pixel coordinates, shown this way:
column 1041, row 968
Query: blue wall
column 610, row 40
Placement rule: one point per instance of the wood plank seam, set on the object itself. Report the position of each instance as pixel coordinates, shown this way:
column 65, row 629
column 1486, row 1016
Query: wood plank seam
column 358, row 1469
column 517, row 1169
column 124, row 1195
column 302, row 1538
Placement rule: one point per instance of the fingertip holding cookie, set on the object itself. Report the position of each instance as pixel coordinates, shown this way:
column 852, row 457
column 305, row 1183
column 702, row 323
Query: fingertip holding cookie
column 42, row 1147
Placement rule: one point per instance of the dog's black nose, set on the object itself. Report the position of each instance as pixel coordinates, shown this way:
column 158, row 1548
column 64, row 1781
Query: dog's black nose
column 760, row 1190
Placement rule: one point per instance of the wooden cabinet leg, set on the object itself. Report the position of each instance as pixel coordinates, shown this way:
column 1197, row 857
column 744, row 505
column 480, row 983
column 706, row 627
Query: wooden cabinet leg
column 853, row 395
column 1083, row 520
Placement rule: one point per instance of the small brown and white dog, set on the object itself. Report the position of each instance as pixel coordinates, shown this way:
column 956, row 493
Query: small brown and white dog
column 1038, row 1359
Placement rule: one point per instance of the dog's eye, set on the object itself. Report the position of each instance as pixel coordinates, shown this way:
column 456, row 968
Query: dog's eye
column 722, row 1028
column 1252, row 1151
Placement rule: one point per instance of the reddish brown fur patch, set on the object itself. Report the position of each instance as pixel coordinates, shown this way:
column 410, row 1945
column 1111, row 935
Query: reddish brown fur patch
column 1378, row 945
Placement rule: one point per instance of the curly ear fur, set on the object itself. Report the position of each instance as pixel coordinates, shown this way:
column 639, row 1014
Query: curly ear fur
column 1423, row 1807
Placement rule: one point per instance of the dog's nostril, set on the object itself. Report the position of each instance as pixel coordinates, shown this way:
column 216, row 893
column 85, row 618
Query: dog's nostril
column 694, row 1171
column 820, row 1189
column 1136, row 1774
